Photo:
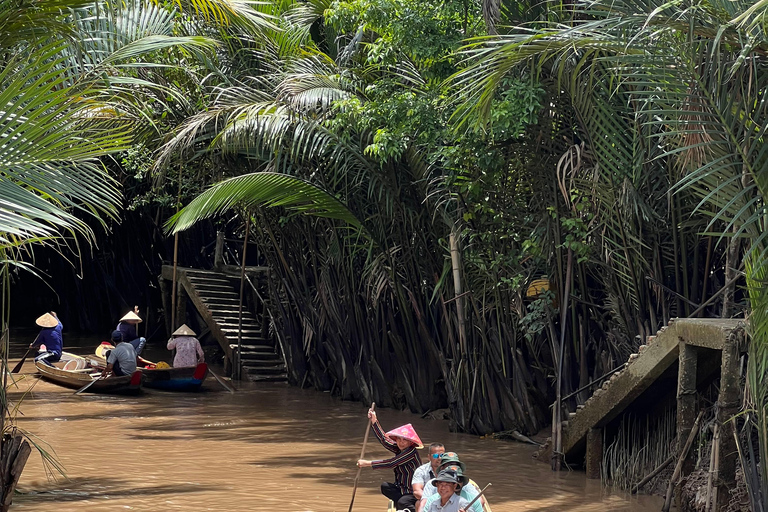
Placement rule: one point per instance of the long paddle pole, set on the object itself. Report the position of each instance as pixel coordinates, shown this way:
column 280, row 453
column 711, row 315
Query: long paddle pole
column 221, row 381
column 86, row 386
column 477, row 497
column 362, row 454
column 17, row 368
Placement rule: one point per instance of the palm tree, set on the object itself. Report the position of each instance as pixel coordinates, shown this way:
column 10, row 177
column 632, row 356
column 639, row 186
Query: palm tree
column 70, row 98
column 673, row 97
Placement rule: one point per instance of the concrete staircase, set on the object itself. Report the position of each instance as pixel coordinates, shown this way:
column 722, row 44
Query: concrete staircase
column 216, row 298
column 642, row 369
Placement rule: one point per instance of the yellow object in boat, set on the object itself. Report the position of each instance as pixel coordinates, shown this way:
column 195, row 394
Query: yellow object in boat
column 161, row 365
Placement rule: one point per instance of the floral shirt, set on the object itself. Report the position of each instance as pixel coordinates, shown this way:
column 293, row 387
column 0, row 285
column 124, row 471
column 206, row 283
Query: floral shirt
column 188, row 351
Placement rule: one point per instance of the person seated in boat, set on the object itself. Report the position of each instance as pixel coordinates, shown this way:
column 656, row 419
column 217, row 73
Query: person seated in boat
column 450, row 460
column 448, row 484
column 427, row 471
column 403, row 442
column 121, row 360
column 127, row 326
column 188, row 349
column 50, row 340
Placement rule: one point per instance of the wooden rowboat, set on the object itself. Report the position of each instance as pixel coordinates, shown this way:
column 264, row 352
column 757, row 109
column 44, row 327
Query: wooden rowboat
column 80, row 372
column 183, row 378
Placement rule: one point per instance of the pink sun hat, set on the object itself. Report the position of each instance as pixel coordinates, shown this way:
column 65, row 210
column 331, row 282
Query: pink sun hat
column 406, row 432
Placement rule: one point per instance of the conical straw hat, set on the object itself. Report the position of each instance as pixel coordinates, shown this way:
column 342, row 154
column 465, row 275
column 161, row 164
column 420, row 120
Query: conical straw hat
column 131, row 316
column 47, row 320
column 184, row 331
column 407, row 432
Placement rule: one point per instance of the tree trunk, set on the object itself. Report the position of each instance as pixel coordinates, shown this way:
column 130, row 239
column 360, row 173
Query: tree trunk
column 14, row 452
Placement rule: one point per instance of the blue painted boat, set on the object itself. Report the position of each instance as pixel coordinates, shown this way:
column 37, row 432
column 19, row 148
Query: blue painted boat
column 185, row 378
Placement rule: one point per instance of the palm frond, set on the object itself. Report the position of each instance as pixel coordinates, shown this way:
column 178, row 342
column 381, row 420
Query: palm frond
column 264, row 189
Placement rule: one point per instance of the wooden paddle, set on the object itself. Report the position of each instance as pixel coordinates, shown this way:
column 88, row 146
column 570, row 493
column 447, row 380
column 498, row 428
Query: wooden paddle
column 362, row 454
column 17, row 368
column 221, row 381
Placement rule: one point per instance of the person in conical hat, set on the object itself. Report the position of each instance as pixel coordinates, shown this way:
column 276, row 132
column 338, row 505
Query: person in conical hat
column 50, row 341
column 403, row 442
column 127, row 326
column 188, row 349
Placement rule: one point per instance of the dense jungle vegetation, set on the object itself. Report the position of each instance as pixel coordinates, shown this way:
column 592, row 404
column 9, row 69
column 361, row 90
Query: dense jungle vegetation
column 409, row 168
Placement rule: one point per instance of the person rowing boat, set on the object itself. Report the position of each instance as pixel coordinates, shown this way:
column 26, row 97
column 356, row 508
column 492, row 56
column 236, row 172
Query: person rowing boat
column 49, row 340
column 403, row 442
column 122, row 360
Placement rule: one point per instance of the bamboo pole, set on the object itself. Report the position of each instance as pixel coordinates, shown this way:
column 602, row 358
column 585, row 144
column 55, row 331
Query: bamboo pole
column 175, row 260
column 714, row 463
column 242, row 287
column 456, row 265
column 362, row 454
column 557, row 426
column 652, row 474
column 679, row 466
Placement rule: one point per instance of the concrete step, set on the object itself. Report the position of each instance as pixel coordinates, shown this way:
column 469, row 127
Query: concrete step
column 249, row 333
column 220, row 302
column 212, row 285
column 260, row 358
column 265, row 348
column 211, row 295
column 266, row 378
column 264, row 370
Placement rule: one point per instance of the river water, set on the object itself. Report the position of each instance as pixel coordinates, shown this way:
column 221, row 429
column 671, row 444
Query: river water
column 268, row 446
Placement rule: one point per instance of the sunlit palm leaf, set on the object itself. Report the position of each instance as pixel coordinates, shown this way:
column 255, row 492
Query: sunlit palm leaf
column 264, row 189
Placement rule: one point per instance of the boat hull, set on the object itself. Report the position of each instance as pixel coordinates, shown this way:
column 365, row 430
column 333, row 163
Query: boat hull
column 76, row 379
column 186, row 378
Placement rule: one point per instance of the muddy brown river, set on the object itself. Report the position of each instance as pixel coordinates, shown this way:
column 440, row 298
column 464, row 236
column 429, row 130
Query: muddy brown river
column 266, row 447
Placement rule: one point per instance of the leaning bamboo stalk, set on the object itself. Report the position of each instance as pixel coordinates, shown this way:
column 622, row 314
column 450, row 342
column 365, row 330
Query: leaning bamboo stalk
column 456, row 266
column 175, row 262
column 238, row 368
column 714, row 469
column 680, row 461
column 652, row 474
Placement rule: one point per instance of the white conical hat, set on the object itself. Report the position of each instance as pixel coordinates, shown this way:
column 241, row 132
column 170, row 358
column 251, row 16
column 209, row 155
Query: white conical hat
column 47, row 320
column 131, row 316
column 184, row 331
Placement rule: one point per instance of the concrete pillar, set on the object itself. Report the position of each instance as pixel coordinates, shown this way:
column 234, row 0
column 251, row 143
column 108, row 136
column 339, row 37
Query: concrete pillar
column 165, row 296
column 687, row 407
column 729, row 401
column 594, row 452
column 218, row 254
column 181, row 306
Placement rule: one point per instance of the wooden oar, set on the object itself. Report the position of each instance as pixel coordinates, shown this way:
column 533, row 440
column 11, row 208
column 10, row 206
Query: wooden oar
column 477, row 497
column 362, row 454
column 17, row 368
column 221, row 381
column 86, row 386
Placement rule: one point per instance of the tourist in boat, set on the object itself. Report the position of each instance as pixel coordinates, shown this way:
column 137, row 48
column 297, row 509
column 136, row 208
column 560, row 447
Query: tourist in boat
column 450, row 461
column 188, row 349
column 427, row 471
column 127, row 326
column 50, row 340
column 403, row 442
column 447, row 498
column 121, row 360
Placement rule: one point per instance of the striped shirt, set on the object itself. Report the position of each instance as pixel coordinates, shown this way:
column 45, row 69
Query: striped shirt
column 404, row 462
